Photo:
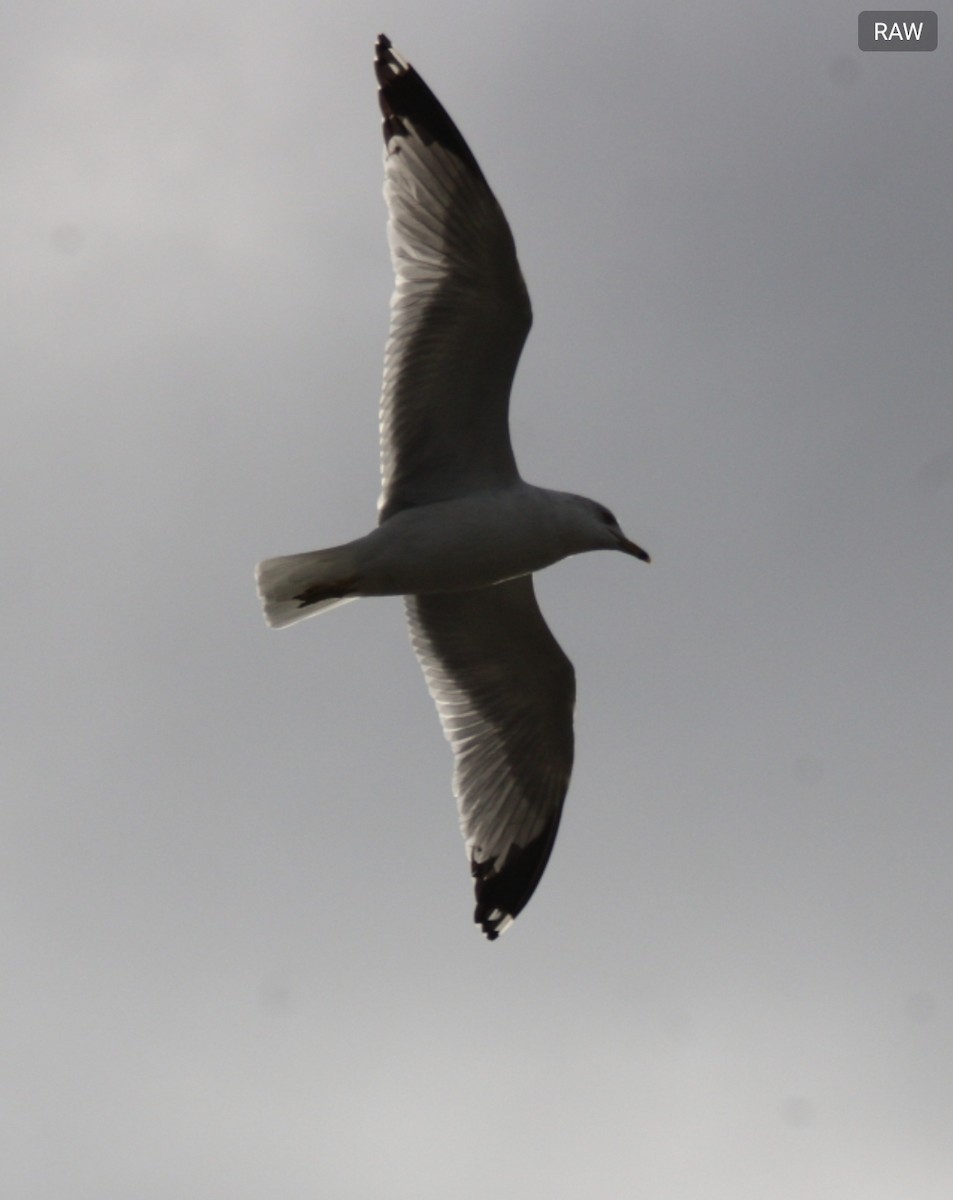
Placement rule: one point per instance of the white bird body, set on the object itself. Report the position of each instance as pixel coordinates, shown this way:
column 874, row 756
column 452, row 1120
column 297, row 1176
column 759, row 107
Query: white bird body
column 460, row 533
column 469, row 542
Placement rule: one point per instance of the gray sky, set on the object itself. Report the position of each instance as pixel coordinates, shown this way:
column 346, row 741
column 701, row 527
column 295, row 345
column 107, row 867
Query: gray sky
column 238, row 957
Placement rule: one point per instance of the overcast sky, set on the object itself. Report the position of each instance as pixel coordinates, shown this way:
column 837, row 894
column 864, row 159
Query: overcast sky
column 238, row 960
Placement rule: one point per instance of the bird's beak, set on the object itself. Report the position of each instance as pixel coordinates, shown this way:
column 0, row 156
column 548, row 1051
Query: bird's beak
column 631, row 548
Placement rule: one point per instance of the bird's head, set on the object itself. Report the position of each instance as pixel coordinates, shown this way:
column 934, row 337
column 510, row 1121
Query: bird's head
column 601, row 529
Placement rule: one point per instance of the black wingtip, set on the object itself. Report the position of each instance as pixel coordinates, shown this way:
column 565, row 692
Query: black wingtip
column 385, row 59
column 502, row 896
column 404, row 97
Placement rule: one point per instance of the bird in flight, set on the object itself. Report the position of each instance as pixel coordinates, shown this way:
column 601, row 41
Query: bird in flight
column 459, row 532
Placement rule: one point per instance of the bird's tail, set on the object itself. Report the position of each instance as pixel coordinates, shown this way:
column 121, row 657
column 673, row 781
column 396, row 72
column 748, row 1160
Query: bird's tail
column 301, row 585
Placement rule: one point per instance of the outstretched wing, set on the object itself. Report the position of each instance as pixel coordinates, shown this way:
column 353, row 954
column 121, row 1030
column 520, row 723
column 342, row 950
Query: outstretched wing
column 505, row 692
column 460, row 312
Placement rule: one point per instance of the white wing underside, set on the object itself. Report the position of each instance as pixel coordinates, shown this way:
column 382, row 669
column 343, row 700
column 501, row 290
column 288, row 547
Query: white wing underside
column 505, row 692
column 460, row 311
column 460, row 314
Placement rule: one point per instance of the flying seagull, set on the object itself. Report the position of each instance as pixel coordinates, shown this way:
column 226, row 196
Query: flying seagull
column 459, row 532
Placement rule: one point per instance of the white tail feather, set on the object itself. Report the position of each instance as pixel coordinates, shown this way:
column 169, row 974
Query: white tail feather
column 284, row 584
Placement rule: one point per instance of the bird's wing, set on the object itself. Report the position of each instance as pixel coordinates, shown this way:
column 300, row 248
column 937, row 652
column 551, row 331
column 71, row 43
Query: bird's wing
column 460, row 311
column 505, row 692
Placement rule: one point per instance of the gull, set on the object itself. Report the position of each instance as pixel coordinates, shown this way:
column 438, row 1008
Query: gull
column 459, row 532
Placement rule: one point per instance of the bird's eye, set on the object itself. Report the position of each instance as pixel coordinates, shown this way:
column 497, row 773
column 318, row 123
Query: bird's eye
column 606, row 517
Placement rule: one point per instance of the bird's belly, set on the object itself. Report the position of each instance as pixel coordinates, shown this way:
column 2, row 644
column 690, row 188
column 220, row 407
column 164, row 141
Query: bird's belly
column 456, row 545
